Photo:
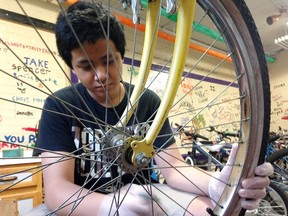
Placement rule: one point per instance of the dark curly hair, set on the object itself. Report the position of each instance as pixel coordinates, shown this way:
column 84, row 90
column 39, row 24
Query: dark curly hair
column 89, row 21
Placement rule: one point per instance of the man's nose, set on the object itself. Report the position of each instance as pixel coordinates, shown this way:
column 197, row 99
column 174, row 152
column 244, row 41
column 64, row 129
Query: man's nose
column 100, row 73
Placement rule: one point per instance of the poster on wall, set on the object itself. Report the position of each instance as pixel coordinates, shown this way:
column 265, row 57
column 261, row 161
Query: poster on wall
column 198, row 103
column 28, row 74
column 279, row 106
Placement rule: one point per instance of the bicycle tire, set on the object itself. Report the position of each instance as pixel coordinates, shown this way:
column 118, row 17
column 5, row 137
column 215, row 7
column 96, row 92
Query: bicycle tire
column 243, row 12
column 279, row 161
column 277, row 155
column 233, row 19
column 280, row 209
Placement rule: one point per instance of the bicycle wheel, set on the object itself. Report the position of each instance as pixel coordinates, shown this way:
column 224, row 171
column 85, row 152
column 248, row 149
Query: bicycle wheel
column 129, row 144
column 274, row 203
column 279, row 160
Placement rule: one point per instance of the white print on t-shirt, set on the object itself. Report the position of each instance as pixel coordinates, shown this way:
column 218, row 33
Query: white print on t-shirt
column 93, row 162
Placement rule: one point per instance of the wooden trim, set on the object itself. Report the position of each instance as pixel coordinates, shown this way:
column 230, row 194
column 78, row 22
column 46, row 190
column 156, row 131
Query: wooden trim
column 22, row 19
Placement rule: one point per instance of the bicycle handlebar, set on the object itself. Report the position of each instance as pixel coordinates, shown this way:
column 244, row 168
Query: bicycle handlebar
column 195, row 136
column 231, row 134
column 223, row 133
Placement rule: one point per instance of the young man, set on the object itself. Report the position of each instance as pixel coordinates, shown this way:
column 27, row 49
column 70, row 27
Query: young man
column 100, row 97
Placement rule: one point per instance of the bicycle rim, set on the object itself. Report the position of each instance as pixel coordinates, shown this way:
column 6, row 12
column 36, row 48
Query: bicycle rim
column 243, row 50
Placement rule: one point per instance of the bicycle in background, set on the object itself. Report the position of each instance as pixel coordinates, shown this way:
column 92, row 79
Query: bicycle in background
column 207, row 154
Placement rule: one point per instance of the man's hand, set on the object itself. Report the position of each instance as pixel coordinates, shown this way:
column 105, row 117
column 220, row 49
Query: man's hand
column 130, row 200
column 253, row 189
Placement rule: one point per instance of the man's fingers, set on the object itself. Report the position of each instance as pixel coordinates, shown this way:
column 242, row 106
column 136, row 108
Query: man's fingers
column 254, row 189
column 255, row 182
column 265, row 169
column 252, row 193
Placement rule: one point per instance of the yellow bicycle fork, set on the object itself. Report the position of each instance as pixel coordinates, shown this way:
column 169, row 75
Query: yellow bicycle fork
column 143, row 149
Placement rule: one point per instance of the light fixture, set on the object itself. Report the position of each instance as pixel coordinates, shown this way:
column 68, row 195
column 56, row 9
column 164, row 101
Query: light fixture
column 282, row 41
column 274, row 18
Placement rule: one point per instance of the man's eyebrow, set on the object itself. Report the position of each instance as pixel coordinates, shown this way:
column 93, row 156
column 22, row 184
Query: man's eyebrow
column 88, row 61
column 110, row 56
column 84, row 61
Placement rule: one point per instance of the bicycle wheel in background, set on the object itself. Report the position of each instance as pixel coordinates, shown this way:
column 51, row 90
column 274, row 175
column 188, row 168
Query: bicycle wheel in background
column 274, row 203
column 247, row 79
column 279, row 160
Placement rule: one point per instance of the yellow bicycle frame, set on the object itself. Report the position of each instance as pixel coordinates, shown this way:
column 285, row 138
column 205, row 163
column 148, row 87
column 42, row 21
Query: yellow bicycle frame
column 186, row 11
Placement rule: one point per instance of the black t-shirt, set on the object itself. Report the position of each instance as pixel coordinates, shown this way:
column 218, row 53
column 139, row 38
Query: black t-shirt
column 75, row 123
